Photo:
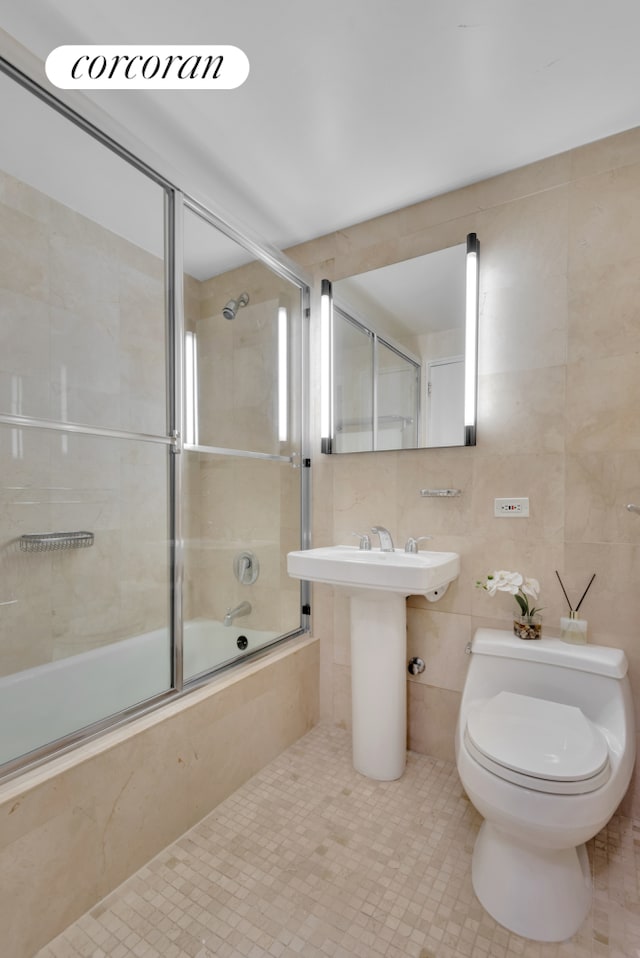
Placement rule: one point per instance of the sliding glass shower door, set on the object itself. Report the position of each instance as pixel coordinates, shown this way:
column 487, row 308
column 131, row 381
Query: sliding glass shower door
column 150, row 446
column 84, row 537
column 242, row 502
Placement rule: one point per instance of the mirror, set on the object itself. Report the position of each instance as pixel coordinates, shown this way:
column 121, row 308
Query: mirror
column 400, row 354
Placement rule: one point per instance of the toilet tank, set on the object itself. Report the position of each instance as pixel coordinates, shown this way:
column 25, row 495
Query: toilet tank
column 591, row 677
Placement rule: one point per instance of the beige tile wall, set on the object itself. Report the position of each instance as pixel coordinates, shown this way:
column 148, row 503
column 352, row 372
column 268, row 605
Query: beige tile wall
column 558, row 421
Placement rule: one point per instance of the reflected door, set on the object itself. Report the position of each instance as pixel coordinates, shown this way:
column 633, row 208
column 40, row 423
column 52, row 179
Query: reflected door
column 446, row 403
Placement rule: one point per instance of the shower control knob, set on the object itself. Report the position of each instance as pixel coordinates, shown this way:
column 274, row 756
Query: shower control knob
column 246, row 568
column 416, row 666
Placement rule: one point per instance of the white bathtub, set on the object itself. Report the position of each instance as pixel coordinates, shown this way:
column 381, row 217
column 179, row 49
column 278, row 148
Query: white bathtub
column 45, row 703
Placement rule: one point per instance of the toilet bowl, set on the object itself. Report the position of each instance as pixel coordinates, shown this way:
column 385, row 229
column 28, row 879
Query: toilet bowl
column 545, row 746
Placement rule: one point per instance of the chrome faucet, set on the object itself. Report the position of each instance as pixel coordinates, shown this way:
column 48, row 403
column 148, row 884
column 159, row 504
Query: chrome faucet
column 243, row 609
column 386, row 542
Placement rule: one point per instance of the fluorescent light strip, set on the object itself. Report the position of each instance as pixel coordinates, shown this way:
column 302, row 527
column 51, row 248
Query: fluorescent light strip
column 191, row 388
column 471, row 332
column 326, row 425
column 283, row 375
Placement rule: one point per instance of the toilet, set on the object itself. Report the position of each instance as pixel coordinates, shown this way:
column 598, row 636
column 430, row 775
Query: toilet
column 545, row 747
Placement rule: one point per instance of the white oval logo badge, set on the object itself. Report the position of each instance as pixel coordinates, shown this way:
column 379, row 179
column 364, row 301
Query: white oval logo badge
column 147, row 67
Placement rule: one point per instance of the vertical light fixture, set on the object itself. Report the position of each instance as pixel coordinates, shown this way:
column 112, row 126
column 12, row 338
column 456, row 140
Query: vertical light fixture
column 190, row 389
column 17, row 445
column 471, row 341
column 326, row 335
column 283, row 375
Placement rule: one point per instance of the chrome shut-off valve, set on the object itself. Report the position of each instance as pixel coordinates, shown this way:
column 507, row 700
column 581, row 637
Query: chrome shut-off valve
column 416, row 666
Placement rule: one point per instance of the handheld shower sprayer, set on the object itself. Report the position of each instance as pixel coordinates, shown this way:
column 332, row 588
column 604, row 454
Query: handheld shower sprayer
column 232, row 307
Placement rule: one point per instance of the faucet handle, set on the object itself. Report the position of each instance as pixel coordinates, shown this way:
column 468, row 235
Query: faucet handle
column 412, row 544
column 365, row 541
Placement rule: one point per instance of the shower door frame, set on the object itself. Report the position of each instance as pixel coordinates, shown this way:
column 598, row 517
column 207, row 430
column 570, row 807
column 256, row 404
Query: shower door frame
column 175, row 203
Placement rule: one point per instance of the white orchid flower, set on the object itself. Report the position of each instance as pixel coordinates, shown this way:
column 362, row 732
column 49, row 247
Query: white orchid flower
column 502, row 581
column 531, row 587
column 520, row 587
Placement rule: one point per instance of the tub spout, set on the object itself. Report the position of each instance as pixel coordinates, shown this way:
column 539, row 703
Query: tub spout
column 243, row 609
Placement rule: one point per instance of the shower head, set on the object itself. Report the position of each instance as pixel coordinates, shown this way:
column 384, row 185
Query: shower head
column 232, row 307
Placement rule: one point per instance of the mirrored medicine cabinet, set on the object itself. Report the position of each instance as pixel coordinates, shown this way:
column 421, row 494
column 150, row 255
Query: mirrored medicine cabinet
column 399, row 354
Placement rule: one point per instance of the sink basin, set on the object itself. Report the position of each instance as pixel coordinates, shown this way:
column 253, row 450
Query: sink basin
column 406, row 573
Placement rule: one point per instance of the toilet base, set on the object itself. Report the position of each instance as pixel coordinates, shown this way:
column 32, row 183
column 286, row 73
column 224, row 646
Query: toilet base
column 538, row 893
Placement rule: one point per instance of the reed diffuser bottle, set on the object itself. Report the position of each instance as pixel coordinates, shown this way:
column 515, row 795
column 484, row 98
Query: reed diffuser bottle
column 573, row 629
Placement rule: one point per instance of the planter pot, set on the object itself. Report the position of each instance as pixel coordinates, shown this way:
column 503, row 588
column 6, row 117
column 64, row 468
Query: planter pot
column 527, row 626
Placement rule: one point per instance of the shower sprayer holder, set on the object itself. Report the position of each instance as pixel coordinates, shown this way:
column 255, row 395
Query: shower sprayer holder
column 55, row 541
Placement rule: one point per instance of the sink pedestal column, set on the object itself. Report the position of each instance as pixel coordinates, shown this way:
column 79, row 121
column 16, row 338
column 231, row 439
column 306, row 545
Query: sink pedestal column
column 378, row 583
column 379, row 683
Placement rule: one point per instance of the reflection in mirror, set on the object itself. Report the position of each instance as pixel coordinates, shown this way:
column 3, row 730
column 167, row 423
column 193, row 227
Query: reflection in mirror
column 403, row 354
column 397, row 419
column 353, row 346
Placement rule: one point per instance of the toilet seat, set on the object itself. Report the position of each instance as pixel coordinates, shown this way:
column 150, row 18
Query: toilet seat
column 537, row 744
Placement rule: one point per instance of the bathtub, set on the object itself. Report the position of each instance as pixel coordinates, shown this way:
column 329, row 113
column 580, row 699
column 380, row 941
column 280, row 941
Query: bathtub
column 48, row 702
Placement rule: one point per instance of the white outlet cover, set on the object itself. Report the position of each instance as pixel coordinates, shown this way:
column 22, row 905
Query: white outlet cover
column 513, row 508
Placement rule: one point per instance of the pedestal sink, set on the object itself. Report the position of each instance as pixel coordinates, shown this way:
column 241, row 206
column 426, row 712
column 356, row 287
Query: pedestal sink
column 378, row 583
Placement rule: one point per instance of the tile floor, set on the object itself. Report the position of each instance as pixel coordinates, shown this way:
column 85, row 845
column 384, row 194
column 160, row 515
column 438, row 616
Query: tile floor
column 311, row 859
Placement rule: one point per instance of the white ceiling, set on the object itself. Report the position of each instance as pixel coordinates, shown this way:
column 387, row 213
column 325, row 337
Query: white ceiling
column 354, row 108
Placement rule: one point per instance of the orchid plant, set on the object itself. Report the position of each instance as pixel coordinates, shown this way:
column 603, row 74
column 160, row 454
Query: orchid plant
column 522, row 588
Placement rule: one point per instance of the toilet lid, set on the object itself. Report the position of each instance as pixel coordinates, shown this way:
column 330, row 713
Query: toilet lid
column 539, row 742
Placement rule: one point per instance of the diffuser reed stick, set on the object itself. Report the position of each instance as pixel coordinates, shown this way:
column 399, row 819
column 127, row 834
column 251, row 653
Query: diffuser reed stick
column 564, row 590
column 585, row 591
